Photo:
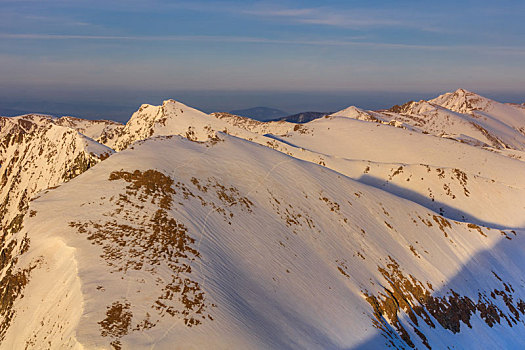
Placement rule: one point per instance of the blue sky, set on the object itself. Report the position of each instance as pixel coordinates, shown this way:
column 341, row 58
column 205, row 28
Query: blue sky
column 101, row 53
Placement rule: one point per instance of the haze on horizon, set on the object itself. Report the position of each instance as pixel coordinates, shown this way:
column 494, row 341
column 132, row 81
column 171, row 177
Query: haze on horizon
column 104, row 59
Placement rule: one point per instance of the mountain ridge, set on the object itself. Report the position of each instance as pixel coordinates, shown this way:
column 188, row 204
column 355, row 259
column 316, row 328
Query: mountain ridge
column 460, row 115
column 216, row 230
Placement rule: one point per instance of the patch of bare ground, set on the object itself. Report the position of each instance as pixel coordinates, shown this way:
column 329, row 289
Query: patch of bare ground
column 141, row 234
column 477, row 228
column 462, row 178
column 296, row 218
column 225, row 196
column 343, row 268
column 442, row 223
column 302, row 129
column 396, row 172
column 117, row 323
column 404, row 294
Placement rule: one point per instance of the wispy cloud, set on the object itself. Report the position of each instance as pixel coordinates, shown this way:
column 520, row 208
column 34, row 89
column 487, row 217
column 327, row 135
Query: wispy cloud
column 343, row 18
column 62, row 20
column 282, row 12
column 195, row 38
column 350, row 42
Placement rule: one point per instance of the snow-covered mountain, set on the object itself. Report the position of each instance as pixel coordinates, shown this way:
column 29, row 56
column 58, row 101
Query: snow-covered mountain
column 489, row 111
column 461, row 115
column 172, row 118
column 364, row 229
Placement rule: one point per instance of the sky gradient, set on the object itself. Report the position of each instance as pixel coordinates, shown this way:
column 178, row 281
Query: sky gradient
column 104, row 58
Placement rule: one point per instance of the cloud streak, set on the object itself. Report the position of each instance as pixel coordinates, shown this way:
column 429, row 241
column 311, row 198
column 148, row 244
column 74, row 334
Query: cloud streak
column 356, row 19
column 61, row 20
column 354, row 41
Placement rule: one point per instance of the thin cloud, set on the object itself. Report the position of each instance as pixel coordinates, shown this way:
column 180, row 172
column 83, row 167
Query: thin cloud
column 196, row 38
column 61, row 20
column 281, row 12
column 323, row 16
column 354, row 41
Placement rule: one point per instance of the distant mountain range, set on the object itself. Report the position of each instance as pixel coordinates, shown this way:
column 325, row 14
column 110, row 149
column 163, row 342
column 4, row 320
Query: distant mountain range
column 260, row 113
column 303, row 117
column 266, row 114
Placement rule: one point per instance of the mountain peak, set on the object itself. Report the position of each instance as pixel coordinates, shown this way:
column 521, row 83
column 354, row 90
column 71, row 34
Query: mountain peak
column 171, row 101
column 350, row 112
column 170, row 118
column 462, row 91
column 172, row 106
column 462, row 101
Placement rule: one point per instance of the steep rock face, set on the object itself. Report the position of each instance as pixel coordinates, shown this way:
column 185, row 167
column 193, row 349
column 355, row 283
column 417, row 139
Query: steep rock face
column 10, row 133
column 37, row 154
column 102, row 131
column 179, row 242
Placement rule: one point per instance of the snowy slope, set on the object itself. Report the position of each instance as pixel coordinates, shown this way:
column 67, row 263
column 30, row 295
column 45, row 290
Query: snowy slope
column 177, row 244
column 462, row 115
column 447, row 177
